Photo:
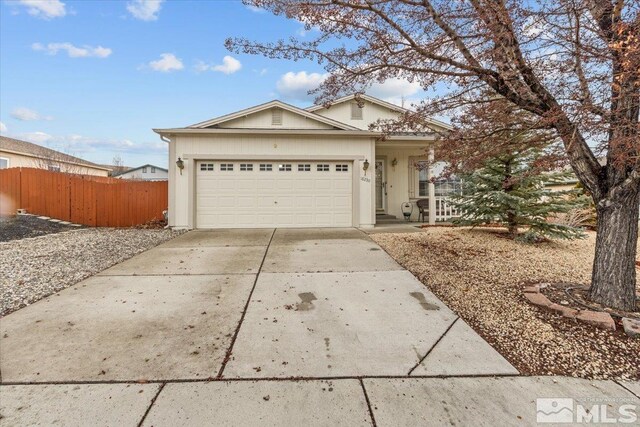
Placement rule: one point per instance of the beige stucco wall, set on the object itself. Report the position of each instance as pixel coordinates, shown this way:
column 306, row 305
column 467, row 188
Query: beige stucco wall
column 263, row 120
column 371, row 113
column 191, row 148
column 22, row 161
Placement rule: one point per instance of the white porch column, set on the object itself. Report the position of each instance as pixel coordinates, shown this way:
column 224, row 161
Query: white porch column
column 431, row 189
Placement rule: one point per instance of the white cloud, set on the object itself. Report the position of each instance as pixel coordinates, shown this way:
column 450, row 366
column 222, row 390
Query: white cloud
column 26, row 114
column 255, row 9
column 297, row 85
column 78, row 144
column 35, row 137
column 396, row 91
column 261, row 72
column 73, row 51
column 3, row 128
column 229, row 65
column 45, row 9
column 168, row 62
column 145, row 10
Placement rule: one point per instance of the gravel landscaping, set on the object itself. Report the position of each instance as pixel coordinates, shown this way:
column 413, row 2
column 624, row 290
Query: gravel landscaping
column 33, row 268
column 480, row 275
column 24, row 226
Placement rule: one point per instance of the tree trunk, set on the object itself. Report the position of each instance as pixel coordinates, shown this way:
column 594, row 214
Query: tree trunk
column 613, row 280
column 512, row 224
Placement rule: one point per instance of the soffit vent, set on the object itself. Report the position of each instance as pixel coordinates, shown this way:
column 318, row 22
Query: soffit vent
column 356, row 111
column 276, row 116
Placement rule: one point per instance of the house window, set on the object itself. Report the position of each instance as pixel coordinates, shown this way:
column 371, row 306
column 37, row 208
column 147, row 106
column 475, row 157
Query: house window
column 226, row 167
column 342, row 168
column 448, row 186
column 206, row 166
column 276, row 116
column 356, row 111
column 144, row 170
column 443, row 186
column 153, row 170
column 304, row 168
column 322, row 168
column 285, row 167
column 266, row 167
column 54, row 168
column 246, row 167
column 4, row 163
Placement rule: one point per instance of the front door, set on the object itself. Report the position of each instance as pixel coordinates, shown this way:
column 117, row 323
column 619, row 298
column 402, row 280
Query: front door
column 381, row 186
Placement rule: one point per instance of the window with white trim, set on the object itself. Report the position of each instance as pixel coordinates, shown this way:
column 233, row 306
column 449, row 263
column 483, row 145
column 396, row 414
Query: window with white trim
column 266, row 167
column 322, row 167
column 356, row 111
column 342, row 168
column 4, row 163
column 226, row 167
column 206, row 166
column 442, row 186
column 246, row 167
column 153, row 170
column 284, row 167
column 302, row 167
column 144, row 170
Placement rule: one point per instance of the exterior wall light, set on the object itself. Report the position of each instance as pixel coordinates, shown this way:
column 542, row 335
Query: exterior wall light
column 180, row 164
column 365, row 166
column 394, row 163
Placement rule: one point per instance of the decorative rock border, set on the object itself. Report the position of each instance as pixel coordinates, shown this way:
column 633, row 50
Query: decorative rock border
column 596, row 318
column 46, row 218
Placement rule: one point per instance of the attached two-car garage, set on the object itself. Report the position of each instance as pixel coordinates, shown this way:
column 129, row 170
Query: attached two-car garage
column 273, row 193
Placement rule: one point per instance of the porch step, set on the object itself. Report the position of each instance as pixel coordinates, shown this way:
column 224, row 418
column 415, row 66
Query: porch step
column 388, row 219
column 380, row 216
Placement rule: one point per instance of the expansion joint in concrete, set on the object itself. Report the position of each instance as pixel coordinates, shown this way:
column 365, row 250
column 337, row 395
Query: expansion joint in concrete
column 246, row 307
column 433, row 346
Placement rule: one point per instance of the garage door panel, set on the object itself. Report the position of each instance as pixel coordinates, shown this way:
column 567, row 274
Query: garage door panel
column 245, row 202
column 247, row 184
column 296, row 198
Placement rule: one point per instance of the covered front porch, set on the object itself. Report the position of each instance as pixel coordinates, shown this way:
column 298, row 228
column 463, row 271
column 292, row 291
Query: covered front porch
column 404, row 174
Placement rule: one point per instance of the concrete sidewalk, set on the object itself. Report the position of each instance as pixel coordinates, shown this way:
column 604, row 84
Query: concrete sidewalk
column 275, row 327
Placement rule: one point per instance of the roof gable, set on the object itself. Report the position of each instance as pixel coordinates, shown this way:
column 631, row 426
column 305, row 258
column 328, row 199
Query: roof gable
column 379, row 102
column 140, row 167
column 232, row 120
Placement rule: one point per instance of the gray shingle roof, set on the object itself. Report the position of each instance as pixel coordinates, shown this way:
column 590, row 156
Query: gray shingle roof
column 35, row 150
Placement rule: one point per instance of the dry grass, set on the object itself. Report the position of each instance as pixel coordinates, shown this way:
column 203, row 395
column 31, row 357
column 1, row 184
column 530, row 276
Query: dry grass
column 480, row 274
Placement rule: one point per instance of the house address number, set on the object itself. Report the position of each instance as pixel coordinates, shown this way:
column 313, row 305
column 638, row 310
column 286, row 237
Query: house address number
column 365, row 179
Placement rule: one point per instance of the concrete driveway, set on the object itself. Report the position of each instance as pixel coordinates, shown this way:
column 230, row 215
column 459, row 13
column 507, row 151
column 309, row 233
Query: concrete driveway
column 243, row 327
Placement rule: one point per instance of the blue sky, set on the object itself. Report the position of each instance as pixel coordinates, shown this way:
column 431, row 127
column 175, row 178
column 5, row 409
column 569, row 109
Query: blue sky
column 92, row 78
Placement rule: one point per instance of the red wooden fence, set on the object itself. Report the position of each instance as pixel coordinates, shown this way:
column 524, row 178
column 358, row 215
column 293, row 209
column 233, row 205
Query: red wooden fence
column 82, row 199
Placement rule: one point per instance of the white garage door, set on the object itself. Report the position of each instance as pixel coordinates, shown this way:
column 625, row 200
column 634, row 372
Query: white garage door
column 273, row 194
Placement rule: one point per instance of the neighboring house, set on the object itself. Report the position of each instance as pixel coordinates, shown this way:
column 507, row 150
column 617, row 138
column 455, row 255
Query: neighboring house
column 276, row 165
column 145, row 172
column 15, row 153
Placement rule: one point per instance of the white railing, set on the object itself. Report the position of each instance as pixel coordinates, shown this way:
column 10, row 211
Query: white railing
column 444, row 210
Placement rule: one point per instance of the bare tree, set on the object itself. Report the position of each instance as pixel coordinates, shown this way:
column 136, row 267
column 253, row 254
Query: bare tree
column 117, row 161
column 57, row 162
column 573, row 64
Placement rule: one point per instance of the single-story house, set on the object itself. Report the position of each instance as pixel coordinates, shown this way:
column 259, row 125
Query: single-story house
column 145, row 173
column 15, row 153
column 277, row 165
